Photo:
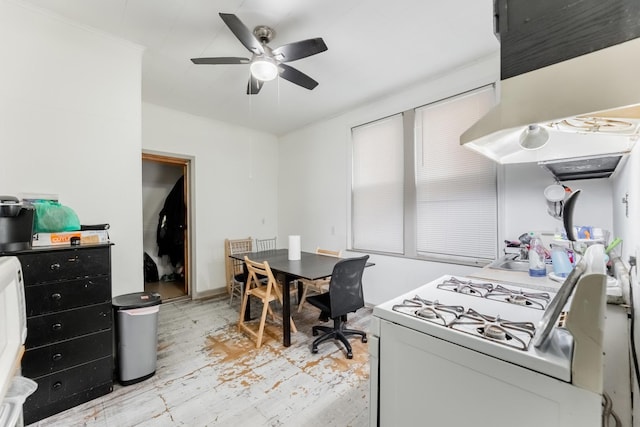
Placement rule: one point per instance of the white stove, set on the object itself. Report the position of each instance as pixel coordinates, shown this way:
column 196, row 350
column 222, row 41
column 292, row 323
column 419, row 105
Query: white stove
column 495, row 319
column 464, row 351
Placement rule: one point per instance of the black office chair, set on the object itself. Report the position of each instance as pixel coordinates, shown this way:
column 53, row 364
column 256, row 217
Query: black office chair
column 344, row 296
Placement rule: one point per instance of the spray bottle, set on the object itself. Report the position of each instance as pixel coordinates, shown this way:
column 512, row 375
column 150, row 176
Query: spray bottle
column 537, row 266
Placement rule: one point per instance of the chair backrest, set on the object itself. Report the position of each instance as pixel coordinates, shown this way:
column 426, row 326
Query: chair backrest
column 231, row 247
column 240, row 246
column 329, row 252
column 256, row 269
column 266, row 244
column 345, row 289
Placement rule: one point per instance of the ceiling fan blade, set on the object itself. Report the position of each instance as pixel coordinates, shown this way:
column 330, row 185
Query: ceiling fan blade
column 254, row 86
column 221, row 60
column 297, row 77
column 297, row 50
column 243, row 34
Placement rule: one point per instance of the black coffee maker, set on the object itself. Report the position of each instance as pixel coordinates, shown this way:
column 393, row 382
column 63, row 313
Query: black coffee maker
column 16, row 224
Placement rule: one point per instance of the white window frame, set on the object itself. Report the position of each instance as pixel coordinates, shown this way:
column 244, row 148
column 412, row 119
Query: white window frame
column 377, row 201
column 456, row 189
column 410, row 153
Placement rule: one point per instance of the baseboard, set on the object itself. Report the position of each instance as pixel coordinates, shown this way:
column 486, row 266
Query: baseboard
column 212, row 293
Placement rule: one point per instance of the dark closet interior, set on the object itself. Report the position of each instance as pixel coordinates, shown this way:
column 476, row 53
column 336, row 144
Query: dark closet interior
column 165, row 231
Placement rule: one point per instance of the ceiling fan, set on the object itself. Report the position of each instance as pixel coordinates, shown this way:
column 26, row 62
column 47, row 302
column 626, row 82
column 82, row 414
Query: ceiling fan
column 267, row 63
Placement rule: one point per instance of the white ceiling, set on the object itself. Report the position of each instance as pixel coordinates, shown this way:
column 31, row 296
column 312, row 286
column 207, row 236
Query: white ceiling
column 375, row 48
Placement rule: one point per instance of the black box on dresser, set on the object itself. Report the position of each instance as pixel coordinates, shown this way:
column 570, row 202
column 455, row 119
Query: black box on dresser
column 69, row 346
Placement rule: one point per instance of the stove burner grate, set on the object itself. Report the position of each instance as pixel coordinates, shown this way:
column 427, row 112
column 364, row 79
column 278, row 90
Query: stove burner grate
column 431, row 311
column 467, row 287
column 538, row 300
column 495, row 329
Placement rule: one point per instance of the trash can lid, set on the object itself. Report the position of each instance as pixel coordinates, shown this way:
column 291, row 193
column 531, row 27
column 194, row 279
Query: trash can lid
column 136, row 300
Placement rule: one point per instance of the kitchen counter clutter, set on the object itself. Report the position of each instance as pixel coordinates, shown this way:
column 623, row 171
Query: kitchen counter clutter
column 617, row 287
column 545, row 283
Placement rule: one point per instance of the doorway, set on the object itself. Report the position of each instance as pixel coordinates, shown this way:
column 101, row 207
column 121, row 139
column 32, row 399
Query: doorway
column 166, row 232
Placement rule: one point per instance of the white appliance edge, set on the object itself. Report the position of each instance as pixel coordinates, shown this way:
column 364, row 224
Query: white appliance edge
column 13, row 333
column 13, row 327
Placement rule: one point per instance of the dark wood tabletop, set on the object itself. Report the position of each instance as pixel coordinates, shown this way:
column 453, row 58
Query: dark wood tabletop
column 310, row 266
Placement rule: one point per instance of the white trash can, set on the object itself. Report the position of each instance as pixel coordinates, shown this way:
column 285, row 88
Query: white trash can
column 136, row 317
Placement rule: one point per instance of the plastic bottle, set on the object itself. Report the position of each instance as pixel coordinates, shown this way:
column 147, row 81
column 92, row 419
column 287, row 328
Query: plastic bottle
column 537, row 267
column 560, row 259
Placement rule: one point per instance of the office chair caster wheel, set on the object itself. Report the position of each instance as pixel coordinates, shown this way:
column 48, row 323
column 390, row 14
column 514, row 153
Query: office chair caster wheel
column 364, row 339
column 349, row 355
column 314, row 350
column 314, row 333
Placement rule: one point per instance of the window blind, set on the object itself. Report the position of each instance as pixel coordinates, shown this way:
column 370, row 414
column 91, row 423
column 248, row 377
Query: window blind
column 456, row 202
column 377, row 186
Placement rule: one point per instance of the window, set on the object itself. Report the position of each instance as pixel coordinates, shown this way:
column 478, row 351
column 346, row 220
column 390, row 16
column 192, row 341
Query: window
column 417, row 192
column 377, row 186
column 456, row 204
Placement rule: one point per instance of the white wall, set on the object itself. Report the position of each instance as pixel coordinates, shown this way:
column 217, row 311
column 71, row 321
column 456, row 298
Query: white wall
column 314, row 186
column 627, row 183
column 627, row 226
column 234, row 177
column 70, row 125
column 525, row 207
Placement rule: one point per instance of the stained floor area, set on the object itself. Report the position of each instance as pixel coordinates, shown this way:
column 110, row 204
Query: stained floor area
column 208, row 374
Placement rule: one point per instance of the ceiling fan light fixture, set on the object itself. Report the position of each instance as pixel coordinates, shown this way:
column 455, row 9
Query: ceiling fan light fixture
column 264, row 69
column 266, row 64
column 533, row 137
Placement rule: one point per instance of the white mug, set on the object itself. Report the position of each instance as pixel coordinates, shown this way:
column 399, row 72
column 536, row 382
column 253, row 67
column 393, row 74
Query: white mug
column 555, row 195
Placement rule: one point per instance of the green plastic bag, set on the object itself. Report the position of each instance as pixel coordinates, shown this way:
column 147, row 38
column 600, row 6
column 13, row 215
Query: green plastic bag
column 52, row 217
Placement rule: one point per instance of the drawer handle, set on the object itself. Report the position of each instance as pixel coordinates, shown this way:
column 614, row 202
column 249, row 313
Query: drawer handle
column 56, row 296
column 56, row 326
column 54, row 266
column 57, row 385
column 57, row 357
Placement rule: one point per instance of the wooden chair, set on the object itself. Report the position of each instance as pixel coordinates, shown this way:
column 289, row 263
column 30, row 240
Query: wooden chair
column 264, row 292
column 316, row 286
column 266, row 244
column 235, row 267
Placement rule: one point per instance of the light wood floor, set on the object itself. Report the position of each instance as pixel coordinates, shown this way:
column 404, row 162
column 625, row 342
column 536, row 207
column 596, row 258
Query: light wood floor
column 210, row 374
column 168, row 290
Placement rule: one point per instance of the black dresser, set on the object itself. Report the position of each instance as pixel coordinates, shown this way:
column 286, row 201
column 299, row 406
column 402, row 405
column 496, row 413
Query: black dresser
column 69, row 347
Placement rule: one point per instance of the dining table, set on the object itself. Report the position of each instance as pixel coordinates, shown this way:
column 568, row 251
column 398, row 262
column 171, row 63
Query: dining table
column 310, row 266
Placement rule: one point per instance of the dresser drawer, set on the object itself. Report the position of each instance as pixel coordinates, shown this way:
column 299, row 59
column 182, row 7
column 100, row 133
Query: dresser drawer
column 64, row 264
column 57, row 296
column 44, row 360
column 50, row 328
column 63, row 384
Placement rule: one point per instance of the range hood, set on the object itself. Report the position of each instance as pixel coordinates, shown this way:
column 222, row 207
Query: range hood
column 589, row 104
